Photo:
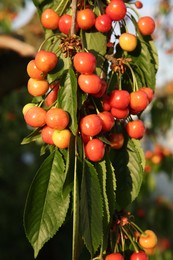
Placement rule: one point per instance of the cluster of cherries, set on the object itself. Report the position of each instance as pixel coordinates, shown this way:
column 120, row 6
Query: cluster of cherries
column 123, row 231
column 117, row 106
column 52, row 121
column 86, row 19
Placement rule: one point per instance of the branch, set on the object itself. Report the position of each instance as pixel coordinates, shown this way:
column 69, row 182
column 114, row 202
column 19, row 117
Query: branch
column 10, row 43
column 74, row 11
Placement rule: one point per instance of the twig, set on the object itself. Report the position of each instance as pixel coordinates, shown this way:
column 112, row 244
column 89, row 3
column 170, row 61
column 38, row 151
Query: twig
column 74, row 11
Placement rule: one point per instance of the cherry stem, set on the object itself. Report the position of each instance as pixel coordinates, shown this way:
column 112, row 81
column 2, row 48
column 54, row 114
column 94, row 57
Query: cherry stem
column 136, row 227
column 119, row 81
column 40, row 47
column 133, row 9
column 135, row 84
column 131, row 240
column 122, row 240
column 74, row 11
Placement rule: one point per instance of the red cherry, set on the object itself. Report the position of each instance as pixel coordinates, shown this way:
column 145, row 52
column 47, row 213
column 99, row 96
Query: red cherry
column 89, row 83
column 95, row 150
column 146, row 25
column 105, row 103
column 119, row 99
column 46, row 134
column 102, row 90
column 85, row 18
column 114, row 256
column 35, row 116
column 138, row 4
column 139, row 256
column 46, row 60
column 119, row 113
column 149, row 92
column 50, row 19
column 116, row 10
column 116, row 140
column 65, row 23
column 135, row 129
column 91, row 125
column 138, row 102
column 103, row 23
column 84, row 62
column 107, row 120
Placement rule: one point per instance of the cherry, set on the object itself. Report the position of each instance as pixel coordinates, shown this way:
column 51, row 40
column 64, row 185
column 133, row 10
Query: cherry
column 89, row 83
column 95, row 150
column 84, row 62
column 107, row 120
column 114, row 256
column 148, row 239
column 85, row 18
column 146, row 25
column 57, row 118
column 35, row 116
column 135, row 129
column 103, row 23
column 139, row 256
column 128, row 41
column 91, row 125
column 50, row 19
column 138, row 101
column 116, row 10
column 116, row 140
column 119, row 99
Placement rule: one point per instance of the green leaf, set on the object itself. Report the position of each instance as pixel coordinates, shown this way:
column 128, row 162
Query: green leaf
column 145, row 62
column 91, row 211
column 58, row 5
column 76, row 219
column 67, row 98
column 111, row 185
column 46, row 208
column 61, row 5
column 107, row 182
column 129, row 168
column 69, row 167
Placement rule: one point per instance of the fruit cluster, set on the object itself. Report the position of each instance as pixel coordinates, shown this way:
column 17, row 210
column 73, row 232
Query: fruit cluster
column 105, row 108
column 90, row 81
column 125, row 231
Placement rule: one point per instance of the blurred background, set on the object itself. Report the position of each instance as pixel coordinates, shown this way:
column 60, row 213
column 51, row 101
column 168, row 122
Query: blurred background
column 20, row 26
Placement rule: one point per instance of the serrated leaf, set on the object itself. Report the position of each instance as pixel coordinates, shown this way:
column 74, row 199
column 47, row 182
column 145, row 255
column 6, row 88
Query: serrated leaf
column 67, row 98
column 145, row 62
column 46, row 208
column 111, row 184
column 91, row 208
column 129, row 168
column 106, row 178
